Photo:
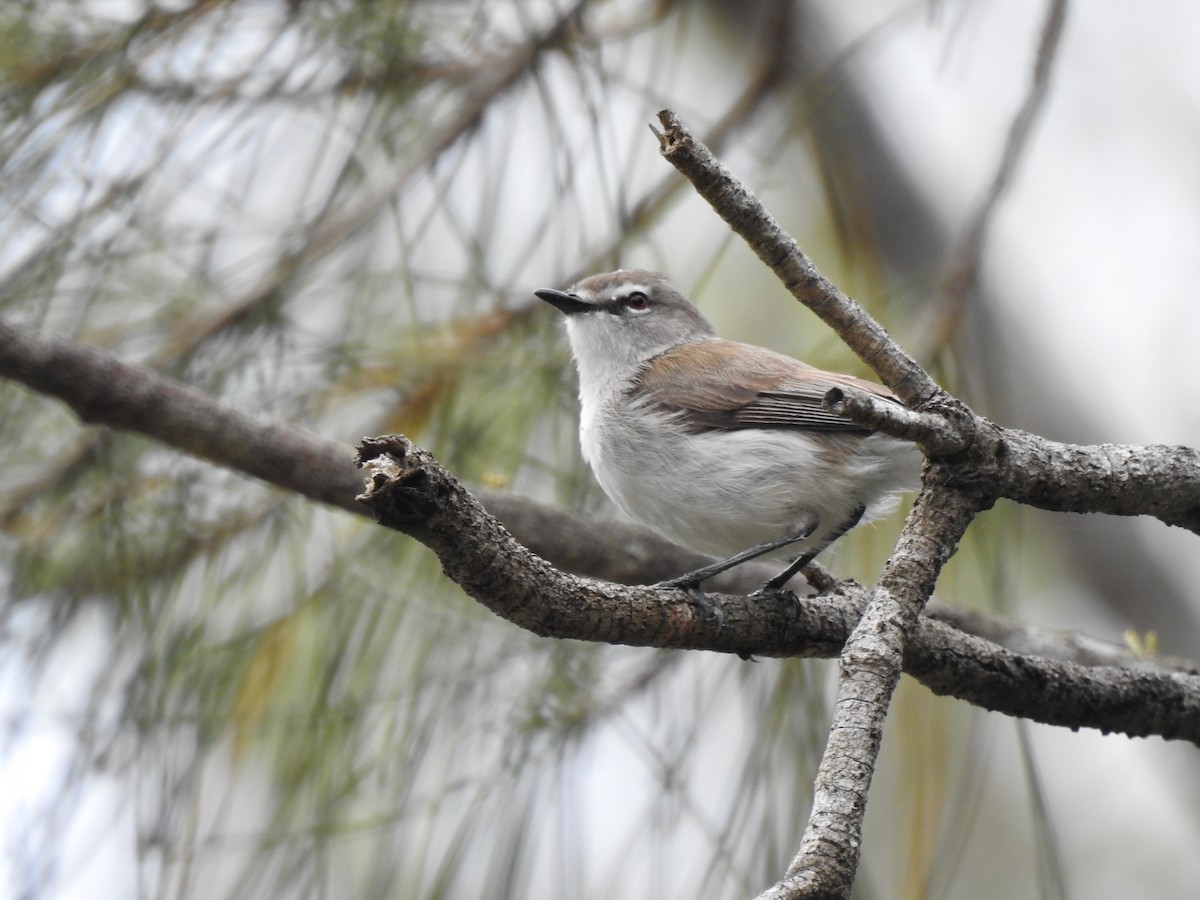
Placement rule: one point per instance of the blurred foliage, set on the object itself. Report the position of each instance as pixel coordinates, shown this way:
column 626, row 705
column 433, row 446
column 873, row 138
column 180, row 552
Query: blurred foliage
column 333, row 212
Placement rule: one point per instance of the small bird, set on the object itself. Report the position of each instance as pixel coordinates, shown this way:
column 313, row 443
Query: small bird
column 722, row 447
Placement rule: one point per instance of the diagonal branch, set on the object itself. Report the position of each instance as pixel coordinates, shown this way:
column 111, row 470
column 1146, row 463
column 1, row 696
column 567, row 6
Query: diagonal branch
column 102, row 389
column 779, row 250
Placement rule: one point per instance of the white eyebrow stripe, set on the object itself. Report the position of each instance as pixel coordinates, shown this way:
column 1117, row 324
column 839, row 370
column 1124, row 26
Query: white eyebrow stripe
column 627, row 289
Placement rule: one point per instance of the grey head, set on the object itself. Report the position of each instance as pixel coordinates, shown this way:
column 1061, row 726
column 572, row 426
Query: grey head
column 618, row 321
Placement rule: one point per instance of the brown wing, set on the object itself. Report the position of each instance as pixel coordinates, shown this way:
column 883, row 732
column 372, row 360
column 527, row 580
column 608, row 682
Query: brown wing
column 746, row 387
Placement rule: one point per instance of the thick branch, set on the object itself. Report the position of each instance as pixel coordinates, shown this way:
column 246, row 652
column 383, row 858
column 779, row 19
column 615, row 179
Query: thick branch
column 949, row 662
column 411, row 492
column 1117, row 479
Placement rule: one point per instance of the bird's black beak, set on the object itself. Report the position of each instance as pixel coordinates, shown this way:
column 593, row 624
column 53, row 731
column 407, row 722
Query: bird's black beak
column 570, row 304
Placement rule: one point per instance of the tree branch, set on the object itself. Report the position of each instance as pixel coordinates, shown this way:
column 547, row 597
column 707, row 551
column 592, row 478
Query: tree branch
column 409, row 491
column 932, row 431
column 102, row 389
column 973, row 463
column 1117, row 479
column 871, row 663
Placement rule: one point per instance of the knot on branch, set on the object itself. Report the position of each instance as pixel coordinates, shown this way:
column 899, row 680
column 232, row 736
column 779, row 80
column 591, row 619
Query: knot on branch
column 674, row 134
column 401, row 490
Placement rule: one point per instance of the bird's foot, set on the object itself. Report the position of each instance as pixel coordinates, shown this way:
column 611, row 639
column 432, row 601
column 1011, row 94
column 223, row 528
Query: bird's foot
column 691, row 587
column 771, row 591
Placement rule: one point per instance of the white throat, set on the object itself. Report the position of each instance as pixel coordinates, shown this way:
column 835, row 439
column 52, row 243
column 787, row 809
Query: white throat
column 604, row 361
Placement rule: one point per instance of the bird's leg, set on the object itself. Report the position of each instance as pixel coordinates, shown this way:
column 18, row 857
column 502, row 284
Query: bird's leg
column 690, row 581
column 775, row 585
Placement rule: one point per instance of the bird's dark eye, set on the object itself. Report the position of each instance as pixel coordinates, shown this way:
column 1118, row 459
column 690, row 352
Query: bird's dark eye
column 637, row 300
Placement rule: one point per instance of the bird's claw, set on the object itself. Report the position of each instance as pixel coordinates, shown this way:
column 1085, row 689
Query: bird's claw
column 770, row 592
column 698, row 597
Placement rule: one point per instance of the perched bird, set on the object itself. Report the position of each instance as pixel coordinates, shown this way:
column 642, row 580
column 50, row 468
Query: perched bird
column 722, row 447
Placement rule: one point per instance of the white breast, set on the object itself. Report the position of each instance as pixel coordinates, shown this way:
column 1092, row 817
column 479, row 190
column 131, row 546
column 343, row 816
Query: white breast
column 719, row 492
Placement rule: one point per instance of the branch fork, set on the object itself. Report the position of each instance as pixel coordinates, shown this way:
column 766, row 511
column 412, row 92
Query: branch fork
column 973, row 463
